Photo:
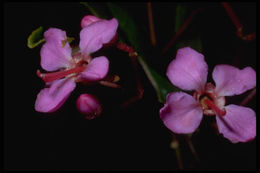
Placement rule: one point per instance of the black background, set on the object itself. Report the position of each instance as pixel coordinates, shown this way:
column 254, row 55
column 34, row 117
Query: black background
column 133, row 138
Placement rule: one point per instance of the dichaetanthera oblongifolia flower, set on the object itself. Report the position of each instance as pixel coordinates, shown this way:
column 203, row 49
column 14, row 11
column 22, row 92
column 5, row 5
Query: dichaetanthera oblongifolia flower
column 65, row 69
column 182, row 113
column 89, row 105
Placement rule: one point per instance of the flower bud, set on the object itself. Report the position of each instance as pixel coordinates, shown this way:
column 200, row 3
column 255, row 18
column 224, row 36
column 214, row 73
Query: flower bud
column 89, row 106
column 87, row 20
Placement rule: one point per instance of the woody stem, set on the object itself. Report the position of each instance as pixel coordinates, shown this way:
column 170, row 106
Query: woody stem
column 236, row 22
column 133, row 55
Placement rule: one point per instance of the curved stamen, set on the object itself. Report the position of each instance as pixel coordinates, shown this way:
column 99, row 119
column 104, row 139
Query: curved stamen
column 49, row 77
column 213, row 107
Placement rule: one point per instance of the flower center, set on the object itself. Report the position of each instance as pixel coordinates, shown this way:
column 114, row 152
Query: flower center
column 78, row 64
column 210, row 102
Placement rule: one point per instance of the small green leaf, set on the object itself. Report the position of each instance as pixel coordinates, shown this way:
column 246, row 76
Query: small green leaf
column 179, row 17
column 126, row 24
column 35, row 38
column 68, row 40
column 194, row 43
column 161, row 85
column 97, row 9
column 129, row 28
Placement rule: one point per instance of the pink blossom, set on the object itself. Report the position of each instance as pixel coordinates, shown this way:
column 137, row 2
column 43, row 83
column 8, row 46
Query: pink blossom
column 182, row 113
column 65, row 69
column 87, row 20
column 89, row 106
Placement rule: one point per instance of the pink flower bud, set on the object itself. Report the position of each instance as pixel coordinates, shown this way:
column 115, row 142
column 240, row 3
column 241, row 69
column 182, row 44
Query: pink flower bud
column 89, row 106
column 87, row 20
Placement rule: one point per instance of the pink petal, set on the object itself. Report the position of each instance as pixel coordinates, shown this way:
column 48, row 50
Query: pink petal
column 55, row 55
column 181, row 113
column 238, row 125
column 189, row 70
column 89, row 105
column 95, row 35
column 51, row 99
column 232, row 81
column 97, row 69
column 87, row 20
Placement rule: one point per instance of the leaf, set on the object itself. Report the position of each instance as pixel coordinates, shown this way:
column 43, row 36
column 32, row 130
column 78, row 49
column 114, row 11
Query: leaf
column 194, row 43
column 161, row 85
column 35, row 38
column 70, row 39
column 126, row 24
column 97, row 9
column 179, row 17
column 129, row 28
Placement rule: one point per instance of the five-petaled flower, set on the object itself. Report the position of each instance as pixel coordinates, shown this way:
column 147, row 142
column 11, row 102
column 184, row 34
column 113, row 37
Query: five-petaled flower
column 66, row 69
column 183, row 113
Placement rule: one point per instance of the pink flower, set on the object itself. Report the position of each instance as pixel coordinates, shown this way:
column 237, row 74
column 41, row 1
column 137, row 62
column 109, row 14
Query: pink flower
column 89, row 105
column 182, row 113
column 87, row 20
column 65, row 68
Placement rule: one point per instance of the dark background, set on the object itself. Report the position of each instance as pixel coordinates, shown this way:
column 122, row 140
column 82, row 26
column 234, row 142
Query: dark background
column 133, row 138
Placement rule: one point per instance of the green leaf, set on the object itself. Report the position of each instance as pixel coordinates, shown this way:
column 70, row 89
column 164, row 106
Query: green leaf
column 130, row 30
column 161, row 85
column 35, row 38
column 179, row 17
column 194, row 43
column 70, row 39
column 126, row 24
column 97, row 9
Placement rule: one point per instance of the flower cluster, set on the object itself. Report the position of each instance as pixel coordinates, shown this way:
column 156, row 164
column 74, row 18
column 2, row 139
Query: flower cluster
column 182, row 113
column 65, row 69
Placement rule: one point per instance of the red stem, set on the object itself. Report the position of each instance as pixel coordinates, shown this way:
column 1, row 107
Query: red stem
column 232, row 15
column 239, row 26
column 151, row 23
column 125, row 48
column 248, row 98
column 133, row 56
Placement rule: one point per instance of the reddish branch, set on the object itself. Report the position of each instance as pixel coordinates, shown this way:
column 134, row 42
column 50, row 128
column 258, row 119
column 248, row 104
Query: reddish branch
column 133, row 56
column 151, row 23
column 248, row 98
column 237, row 23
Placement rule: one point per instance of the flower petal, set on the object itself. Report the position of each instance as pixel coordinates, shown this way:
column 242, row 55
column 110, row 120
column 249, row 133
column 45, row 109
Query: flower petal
column 50, row 99
column 56, row 52
column 97, row 69
column 238, row 125
column 87, row 20
column 95, row 35
column 189, row 70
column 232, row 81
column 181, row 113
